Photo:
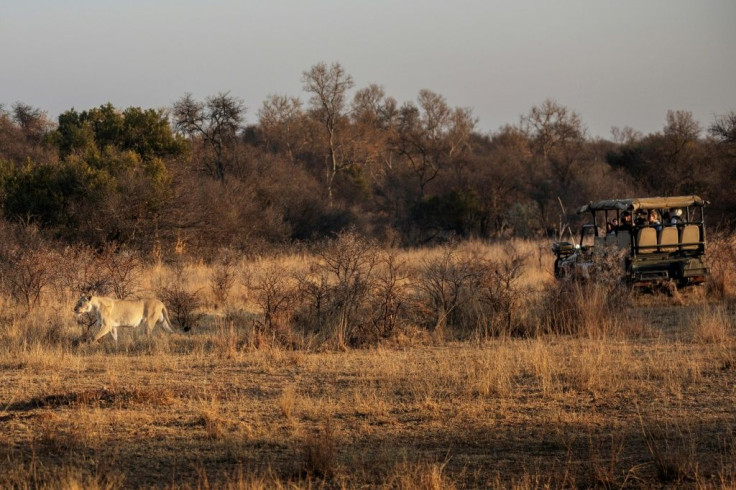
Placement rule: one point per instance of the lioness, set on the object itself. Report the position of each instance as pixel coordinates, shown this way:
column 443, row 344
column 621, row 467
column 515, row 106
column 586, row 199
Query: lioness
column 113, row 313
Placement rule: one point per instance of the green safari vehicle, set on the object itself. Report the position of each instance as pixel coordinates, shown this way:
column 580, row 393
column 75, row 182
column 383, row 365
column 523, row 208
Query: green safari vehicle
column 659, row 239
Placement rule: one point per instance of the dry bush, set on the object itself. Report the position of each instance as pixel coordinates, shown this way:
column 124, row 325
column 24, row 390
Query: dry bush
column 335, row 291
column 223, row 275
column 27, row 263
column 79, row 271
column 502, row 297
column 472, row 294
column 183, row 305
column 112, row 272
column 275, row 292
column 388, row 299
column 122, row 270
column 444, row 283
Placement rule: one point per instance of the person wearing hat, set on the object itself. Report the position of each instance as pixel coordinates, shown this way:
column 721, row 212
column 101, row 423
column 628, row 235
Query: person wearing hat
column 675, row 217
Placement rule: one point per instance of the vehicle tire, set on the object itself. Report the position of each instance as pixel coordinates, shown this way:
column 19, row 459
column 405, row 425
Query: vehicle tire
column 558, row 269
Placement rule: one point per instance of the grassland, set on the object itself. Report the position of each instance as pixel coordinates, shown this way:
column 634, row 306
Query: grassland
column 640, row 393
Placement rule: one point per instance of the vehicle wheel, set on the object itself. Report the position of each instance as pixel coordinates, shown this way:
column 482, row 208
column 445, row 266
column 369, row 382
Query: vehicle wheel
column 558, row 269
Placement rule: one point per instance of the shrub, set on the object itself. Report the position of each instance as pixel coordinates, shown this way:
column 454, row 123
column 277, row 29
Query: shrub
column 274, row 294
column 79, row 270
column 181, row 303
column 121, row 269
column 443, row 284
column 26, row 264
column 388, row 299
column 223, row 277
column 337, row 287
column 502, row 296
column 471, row 294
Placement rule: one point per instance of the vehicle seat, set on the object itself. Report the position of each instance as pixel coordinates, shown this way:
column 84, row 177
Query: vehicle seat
column 669, row 238
column 690, row 234
column 645, row 238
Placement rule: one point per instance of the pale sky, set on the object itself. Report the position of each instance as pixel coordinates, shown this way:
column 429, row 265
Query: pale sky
column 617, row 63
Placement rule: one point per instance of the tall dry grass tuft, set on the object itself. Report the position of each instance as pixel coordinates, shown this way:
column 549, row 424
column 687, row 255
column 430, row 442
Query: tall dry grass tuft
column 419, row 476
column 593, row 302
column 713, row 324
column 320, row 453
column 211, row 418
column 721, row 283
column 672, row 448
column 287, row 401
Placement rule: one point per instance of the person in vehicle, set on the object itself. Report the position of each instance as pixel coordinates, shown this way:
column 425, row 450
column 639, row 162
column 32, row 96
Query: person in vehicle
column 641, row 218
column 675, row 217
column 653, row 219
column 625, row 221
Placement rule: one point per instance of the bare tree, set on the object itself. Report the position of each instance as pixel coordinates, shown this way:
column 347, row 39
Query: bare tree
column 432, row 135
column 557, row 138
column 680, row 130
column 682, row 164
column 373, row 117
column 724, row 128
column 216, row 121
column 626, row 135
column 556, row 132
column 328, row 87
column 33, row 121
column 282, row 122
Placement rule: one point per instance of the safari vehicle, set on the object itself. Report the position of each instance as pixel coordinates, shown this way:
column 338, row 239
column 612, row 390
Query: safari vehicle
column 673, row 250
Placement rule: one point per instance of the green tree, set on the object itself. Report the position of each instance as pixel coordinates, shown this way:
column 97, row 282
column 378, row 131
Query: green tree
column 53, row 194
column 88, row 133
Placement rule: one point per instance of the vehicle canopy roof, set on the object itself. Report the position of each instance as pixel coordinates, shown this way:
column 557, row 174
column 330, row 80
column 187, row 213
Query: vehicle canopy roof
column 642, row 203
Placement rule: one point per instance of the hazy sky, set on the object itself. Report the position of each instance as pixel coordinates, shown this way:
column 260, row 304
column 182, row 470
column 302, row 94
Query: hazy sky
column 617, row 63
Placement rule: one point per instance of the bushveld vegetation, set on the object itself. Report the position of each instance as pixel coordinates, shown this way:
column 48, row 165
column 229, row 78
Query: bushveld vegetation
column 363, row 294
column 348, row 364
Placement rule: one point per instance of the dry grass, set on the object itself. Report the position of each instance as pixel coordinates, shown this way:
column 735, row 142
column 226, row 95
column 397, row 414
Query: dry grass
column 241, row 401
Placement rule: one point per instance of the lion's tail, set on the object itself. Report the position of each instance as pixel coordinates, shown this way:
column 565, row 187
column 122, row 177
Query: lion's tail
column 167, row 323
